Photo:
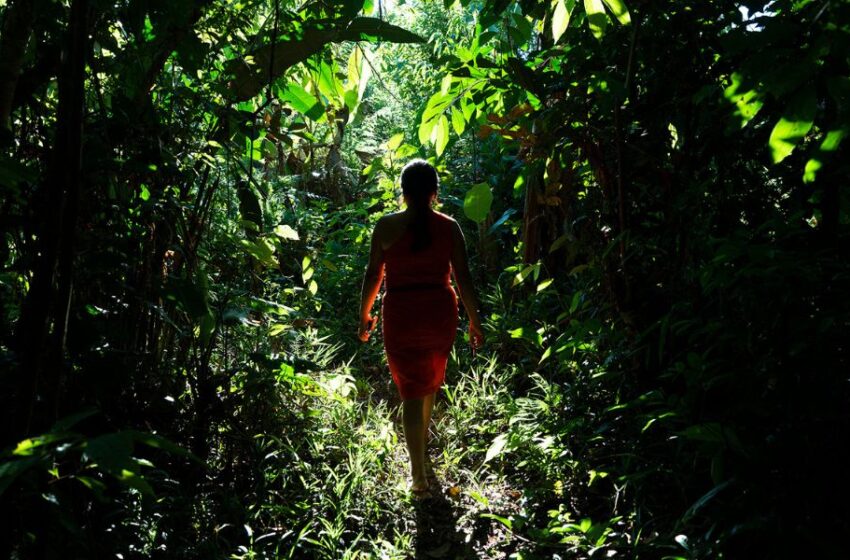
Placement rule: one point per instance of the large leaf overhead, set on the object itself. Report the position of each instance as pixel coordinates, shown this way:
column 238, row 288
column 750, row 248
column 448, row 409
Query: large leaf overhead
column 370, row 29
column 795, row 123
column 254, row 71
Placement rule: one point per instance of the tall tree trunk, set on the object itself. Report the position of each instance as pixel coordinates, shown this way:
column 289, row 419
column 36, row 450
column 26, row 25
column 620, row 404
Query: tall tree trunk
column 47, row 302
column 16, row 31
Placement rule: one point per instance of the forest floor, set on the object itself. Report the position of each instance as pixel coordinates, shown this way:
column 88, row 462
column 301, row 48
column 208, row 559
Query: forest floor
column 454, row 521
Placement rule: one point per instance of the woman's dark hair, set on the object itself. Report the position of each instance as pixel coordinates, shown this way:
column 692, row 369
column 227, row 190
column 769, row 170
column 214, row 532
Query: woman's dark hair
column 419, row 182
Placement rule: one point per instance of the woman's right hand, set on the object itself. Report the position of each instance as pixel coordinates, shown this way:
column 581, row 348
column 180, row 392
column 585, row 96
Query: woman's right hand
column 476, row 336
column 367, row 323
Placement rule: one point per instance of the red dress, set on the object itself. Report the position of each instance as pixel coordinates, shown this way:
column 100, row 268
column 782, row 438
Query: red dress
column 419, row 310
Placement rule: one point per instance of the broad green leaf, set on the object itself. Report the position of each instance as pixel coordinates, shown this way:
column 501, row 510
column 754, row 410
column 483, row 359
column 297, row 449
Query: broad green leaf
column 261, row 249
column 302, row 101
column 371, row 29
column 496, row 447
column 355, row 60
column 747, row 101
column 446, row 84
column 458, row 123
column 442, row 138
column 477, row 202
column 543, row 285
column 395, row 141
column 467, row 108
column 329, row 85
column 28, row 446
column 503, row 520
column 597, row 20
column 618, row 8
column 811, row 170
column 425, row 130
column 286, row 232
column 520, row 276
column 313, row 287
column 351, row 101
column 405, row 151
column 359, row 72
column 560, row 19
column 437, row 103
column 365, row 74
column 829, row 145
column 794, row 124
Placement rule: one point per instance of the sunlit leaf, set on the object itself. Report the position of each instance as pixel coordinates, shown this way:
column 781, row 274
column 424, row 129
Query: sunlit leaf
column 261, row 249
column 747, row 101
column 458, row 122
column 425, row 130
column 829, row 145
column 328, row 83
column 545, row 284
column 597, row 19
column 477, row 202
column 302, row 101
column 436, row 104
column 496, row 447
column 395, row 141
column 618, row 8
column 286, row 232
column 795, row 123
column 560, row 19
column 442, row 135
column 524, row 273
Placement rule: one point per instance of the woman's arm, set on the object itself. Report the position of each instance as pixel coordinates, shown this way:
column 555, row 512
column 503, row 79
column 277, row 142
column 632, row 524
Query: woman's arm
column 372, row 279
column 466, row 287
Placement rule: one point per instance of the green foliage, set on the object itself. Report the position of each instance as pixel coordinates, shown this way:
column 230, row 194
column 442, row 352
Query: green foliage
column 657, row 223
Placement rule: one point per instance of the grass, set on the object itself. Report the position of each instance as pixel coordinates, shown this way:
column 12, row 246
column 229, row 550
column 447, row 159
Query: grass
column 337, row 486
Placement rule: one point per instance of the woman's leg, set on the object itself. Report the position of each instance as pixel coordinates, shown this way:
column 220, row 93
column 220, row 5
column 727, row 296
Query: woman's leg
column 412, row 417
column 427, row 407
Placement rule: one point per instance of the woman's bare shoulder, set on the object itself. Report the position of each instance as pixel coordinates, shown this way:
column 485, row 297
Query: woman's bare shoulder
column 388, row 221
column 389, row 226
column 445, row 218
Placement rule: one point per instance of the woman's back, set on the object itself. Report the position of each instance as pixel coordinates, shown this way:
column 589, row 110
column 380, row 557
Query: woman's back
column 430, row 266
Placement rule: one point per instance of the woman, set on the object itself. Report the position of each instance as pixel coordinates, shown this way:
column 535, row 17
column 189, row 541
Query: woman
column 418, row 248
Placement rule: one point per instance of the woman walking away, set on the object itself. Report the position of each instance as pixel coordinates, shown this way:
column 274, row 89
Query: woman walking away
column 418, row 249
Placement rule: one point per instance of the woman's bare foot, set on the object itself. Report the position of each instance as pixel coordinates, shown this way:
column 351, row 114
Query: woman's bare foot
column 419, row 487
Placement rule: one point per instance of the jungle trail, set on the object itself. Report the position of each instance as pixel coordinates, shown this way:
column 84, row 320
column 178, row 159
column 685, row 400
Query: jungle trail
column 651, row 199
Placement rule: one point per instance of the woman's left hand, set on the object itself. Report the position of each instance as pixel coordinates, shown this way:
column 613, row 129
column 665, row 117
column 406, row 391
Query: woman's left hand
column 367, row 323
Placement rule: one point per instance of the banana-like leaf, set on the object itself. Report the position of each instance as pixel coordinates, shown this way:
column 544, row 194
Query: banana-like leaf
column 370, row 29
column 560, row 19
column 597, row 19
column 272, row 60
column 618, row 8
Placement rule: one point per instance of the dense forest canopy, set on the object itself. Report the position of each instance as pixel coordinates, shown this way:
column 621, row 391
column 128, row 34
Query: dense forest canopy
column 654, row 198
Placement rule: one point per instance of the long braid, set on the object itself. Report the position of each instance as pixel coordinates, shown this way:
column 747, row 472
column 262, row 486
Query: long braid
column 419, row 182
